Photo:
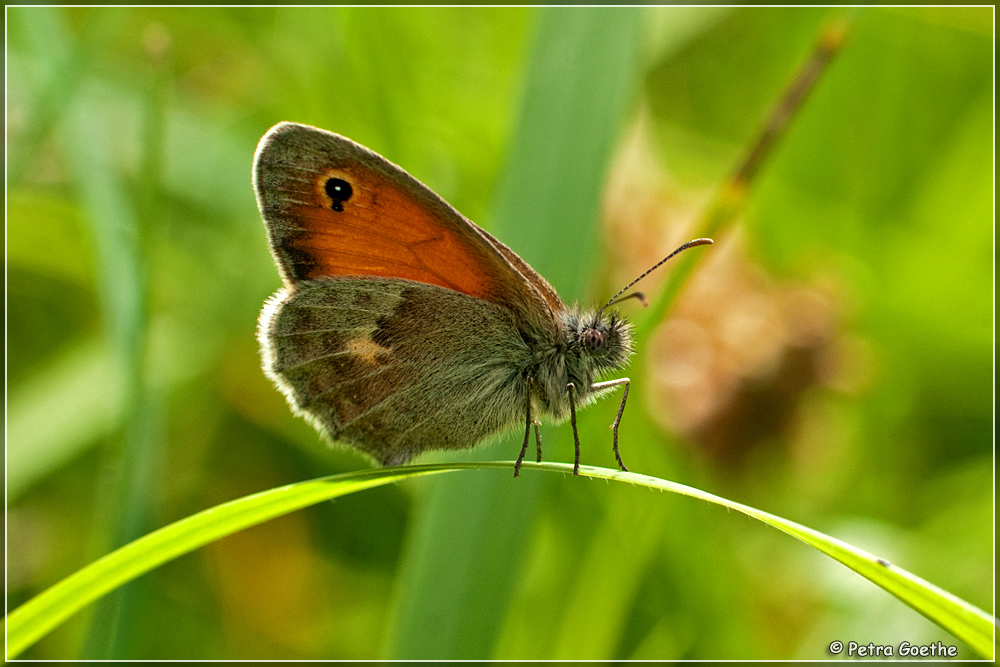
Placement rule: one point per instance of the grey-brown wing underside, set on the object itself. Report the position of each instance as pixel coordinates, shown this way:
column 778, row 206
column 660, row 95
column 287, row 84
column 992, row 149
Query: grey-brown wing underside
column 395, row 367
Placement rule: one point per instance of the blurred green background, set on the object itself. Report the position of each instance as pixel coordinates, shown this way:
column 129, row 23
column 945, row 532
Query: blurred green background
column 829, row 361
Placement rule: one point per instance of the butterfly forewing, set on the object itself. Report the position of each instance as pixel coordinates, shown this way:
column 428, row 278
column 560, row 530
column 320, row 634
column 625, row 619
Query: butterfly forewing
column 334, row 208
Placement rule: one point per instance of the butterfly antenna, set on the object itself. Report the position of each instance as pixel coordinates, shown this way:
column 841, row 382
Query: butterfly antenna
column 689, row 244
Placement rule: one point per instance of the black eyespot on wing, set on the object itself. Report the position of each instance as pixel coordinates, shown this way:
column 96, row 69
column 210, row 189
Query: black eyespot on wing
column 339, row 191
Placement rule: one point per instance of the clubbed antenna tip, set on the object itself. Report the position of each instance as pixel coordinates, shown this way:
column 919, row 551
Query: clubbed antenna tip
column 641, row 297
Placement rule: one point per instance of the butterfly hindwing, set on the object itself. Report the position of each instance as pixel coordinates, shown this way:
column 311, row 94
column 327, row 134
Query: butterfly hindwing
column 360, row 357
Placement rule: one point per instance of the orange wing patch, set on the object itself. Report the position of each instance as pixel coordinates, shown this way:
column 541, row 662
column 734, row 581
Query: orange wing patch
column 360, row 223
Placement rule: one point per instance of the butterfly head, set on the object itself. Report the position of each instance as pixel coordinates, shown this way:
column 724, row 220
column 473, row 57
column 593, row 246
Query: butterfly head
column 602, row 339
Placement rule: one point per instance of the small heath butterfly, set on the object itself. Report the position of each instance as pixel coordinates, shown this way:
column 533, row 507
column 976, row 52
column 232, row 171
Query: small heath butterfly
column 404, row 327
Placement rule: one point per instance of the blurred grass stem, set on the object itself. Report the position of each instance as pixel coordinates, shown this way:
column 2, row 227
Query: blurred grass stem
column 470, row 537
column 731, row 199
column 128, row 486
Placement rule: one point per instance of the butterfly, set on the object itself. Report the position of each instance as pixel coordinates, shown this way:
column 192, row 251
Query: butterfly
column 401, row 326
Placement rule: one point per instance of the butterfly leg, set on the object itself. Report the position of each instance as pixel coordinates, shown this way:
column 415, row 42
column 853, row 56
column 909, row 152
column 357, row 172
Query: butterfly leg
column 621, row 409
column 527, row 434
column 572, row 421
column 538, row 440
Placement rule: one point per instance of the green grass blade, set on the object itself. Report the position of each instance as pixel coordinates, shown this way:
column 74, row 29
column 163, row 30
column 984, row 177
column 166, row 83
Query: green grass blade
column 41, row 614
column 964, row 620
column 37, row 617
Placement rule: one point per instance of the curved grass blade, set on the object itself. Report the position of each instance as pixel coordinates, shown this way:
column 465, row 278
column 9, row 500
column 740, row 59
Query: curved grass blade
column 964, row 620
column 34, row 619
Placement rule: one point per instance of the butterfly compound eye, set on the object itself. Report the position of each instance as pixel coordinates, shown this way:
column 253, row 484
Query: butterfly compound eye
column 339, row 191
column 593, row 339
